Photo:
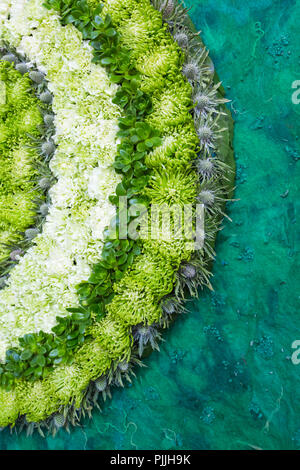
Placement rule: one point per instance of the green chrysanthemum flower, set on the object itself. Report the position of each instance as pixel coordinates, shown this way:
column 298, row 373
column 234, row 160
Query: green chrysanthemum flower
column 177, row 149
column 134, row 303
column 174, row 188
column 159, row 65
column 172, row 106
column 113, row 337
column 9, row 409
column 119, row 10
column 36, row 400
column 154, row 272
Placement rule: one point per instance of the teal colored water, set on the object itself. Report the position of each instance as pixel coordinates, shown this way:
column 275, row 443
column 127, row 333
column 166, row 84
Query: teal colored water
column 224, row 378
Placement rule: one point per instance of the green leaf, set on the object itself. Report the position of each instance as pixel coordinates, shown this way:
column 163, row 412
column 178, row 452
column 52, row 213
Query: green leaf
column 58, row 361
column 98, row 20
column 38, row 361
column 120, row 190
column 111, row 32
column 141, row 147
column 106, row 60
column 98, row 9
column 54, row 353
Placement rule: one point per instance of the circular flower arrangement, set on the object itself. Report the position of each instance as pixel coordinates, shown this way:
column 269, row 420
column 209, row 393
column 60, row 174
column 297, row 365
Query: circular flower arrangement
column 109, row 111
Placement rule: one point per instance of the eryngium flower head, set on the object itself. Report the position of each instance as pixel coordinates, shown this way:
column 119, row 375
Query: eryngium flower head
column 9, row 58
column 44, row 183
column 48, row 148
column 31, row 233
column 36, row 77
column 46, row 97
column 49, row 119
column 22, row 68
column 101, row 384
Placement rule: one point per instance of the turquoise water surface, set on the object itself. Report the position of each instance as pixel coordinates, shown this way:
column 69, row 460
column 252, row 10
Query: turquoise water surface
column 224, row 378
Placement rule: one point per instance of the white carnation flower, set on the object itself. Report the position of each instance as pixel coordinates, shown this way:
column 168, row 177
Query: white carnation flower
column 102, row 182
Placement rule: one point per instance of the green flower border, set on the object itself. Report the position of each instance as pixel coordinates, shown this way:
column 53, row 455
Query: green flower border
column 189, row 275
column 40, row 352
